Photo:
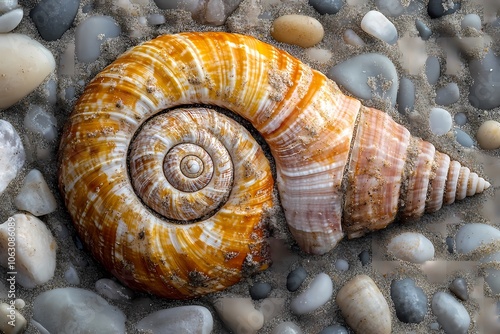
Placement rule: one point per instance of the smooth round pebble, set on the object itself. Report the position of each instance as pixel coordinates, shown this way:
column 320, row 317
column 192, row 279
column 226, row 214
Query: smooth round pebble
column 10, row 20
column 484, row 93
column 318, row 292
column 300, row 30
column 77, row 309
column 432, row 70
column 35, row 195
column 326, row 6
column 459, row 288
column 71, row 276
column 397, row 8
column 13, row 155
column 440, row 121
column 335, row 329
column 351, row 38
column 341, row 265
column 492, row 273
column 471, row 236
column 260, row 290
column 113, row 290
column 192, row 319
column 451, row 315
column 53, row 17
column 472, row 21
column 376, row 24
column 423, row 30
column 295, row 279
column 364, row 257
column 156, row 19
column 448, row 94
column 488, row 135
column 9, row 316
column 355, row 74
column 410, row 301
column 6, row 5
column 439, row 8
column 406, row 96
column 460, row 118
column 318, row 55
column 287, row 327
column 412, row 247
column 239, row 314
column 463, row 138
column 91, row 33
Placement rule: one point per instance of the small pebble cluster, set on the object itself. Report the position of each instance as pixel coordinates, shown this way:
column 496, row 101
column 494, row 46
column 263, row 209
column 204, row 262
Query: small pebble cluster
column 44, row 69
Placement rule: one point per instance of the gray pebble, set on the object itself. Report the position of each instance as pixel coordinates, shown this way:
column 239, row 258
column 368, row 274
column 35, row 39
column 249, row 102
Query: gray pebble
column 364, row 257
column 410, row 301
column 460, row 118
column 341, row 265
column 182, row 319
column 335, row 329
column 448, row 94
column 326, row 6
column 53, row 17
column 484, row 93
column 260, row 290
column 440, row 121
column 471, row 20
column 91, row 33
column 287, row 327
column 355, row 74
column 436, row 8
column 432, row 69
column 459, row 288
column 424, row 31
column 10, row 20
column 396, row 8
column 406, row 96
column 450, row 313
column 295, row 278
column 463, row 138
column 450, row 243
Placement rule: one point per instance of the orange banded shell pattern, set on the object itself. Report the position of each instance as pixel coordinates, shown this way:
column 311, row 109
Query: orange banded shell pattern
column 341, row 167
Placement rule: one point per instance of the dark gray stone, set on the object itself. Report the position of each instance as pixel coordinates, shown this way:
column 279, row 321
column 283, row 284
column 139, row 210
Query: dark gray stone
column 53, row 17
column 335, row 329
column 326, row 6
column 432, row 69
column 450, row 243
column 484, row 93
column 424, row 31
column 260, row 290
column 436, row 8
column 448, row 94
column 459, row 288
column 463, row 138
column 410, row 301
column 295, row 278
column 406, row 96
column 364, row 257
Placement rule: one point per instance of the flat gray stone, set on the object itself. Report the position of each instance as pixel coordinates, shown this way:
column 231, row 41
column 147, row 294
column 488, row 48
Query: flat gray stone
column 484, row 93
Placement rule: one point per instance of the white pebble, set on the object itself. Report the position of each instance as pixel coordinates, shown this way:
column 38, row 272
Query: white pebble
column 41, row 122
column 71, row 276
column 6, row 5
column 451, row 315
column 351, row 38
column 440, row 121
column 25, row 64
column 342, row 265
column 301, row 30
column 287, row 327
column 35, row 249
column 471, row 236
column 376, row 24
column 113, row 290
column 19, row 303
column 316, row 295
column 11, row 321
column 471, row 20
column 35, row 195
column 10, row 20
column 91, row 33
column 239, row 315
column 412, row 247
column 13, row 155
column 183, row 319
column 488, row 135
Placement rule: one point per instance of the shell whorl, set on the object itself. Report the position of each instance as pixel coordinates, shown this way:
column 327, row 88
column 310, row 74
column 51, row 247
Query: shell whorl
column 339, row 165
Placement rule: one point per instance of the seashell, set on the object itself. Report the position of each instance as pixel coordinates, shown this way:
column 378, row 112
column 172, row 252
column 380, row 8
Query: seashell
column 200, row 227
column 363, row 306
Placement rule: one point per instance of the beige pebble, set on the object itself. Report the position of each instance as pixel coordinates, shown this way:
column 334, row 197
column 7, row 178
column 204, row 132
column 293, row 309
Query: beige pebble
column 321, row 56
column 488, row 135
column 300, row 30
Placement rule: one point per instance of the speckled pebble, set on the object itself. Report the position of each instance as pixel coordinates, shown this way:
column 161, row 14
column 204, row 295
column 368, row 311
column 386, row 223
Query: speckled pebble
column 440, row 121
column 459, row 288
column 335, row 329
column 364, row 257
column 91, row 33
column 463, row 138
column 472, row 21
column 287, row 327
column 411, row 246
column 376, row 24
column 423, row 30
column 484, row 93
column 410, row 301
column 295, row 279
column 406, row 96
column 460, row 118
column 432, row 70
column 488, row 135
column 450, row 313
column 35, row 195
column 341, row 265
column 53, row 17
column 326, row 6
column 13, row 155
column 10, row 20
column 351, row 38
column 300, row 30
column 192, row 319
column 448, row 94
column 260, row 290
column 439, row 8
column 318, row 292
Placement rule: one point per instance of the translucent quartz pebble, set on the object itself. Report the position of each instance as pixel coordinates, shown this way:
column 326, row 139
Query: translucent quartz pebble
column 192, row 319
column 484, row 93
column 410, row 301
column 91, row 33
column 41, row 122
column 25, row 64
column 406, row 96
column 13, row 155
column 463, row 138
column 432, row 70
column 335, row 329
column 287, row 327
column 71, row 275
column 448, row 94
column 326, row 6
column 471, row 236
column 35, row 249
column 451, row 315
column 316, row 295
column 59, row 309
column 341, row 265
column 376, row 24
column 358, row 73
column 351, row 38
column 423, row 30
column 239, row 314
column 35, row 195
column 488, row 135
column 10, row 20
column 53, row 17
column 301, row 30
column 438, row 8
column 472, row 21
column 411, row 246
column 113, row 290
column 440, row 121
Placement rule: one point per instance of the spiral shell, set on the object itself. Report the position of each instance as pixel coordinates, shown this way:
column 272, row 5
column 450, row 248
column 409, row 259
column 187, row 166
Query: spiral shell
column 160, row 206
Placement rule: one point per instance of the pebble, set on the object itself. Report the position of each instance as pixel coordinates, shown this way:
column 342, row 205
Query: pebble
column 451, row 315
column 13, row 155
column 406, row 96
column 396, row 7
column 317, row 294
column 459, row 288
column 53, row 17
column 492, row 273
column 439, row 8
column 295, row 279
column 440, row 121
column 450, row 244
column 335, row 329
column 432, row 70
column 71, row 275
column 207, row 12
column 271, row 307
column 91, row 33
column 113, row 290
column 471, row 236
column 35, row 195
column 300, row 30
column 484, row 93
column 351, row 38
column 33, row 267
column 411, row 246
column 192, row 319
column 287, row 327
column 6, row 5
column 488, row 135
column 326, row 6
column 460, row 118
column 472, row 21
column 376, row 24
column 364, row 257
column 410, row 301
column 260, row 290
column 156, row 19
column 463, row 138
column 25, row 64
column 423, row 30
column 239, row 315
column 356, row 73
column 318, row 55
column 41, row 122
column 10, row 20
column 77, row 310
column 11, row 321
column 341, row 265
column 448, row 94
